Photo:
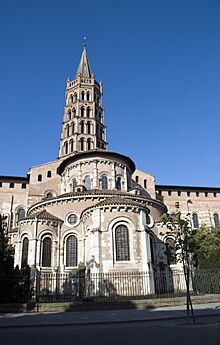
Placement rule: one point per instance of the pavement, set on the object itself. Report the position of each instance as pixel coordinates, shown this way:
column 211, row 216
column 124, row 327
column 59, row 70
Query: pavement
column 40, row 319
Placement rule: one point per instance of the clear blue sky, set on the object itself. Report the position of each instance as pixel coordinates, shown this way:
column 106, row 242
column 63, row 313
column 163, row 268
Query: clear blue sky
column 160, row 65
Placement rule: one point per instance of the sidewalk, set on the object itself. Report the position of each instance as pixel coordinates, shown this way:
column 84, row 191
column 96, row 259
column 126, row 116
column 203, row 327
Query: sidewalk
column 107, row 316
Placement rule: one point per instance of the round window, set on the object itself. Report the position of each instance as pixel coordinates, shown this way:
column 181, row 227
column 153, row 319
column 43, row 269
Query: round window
column 72, row 219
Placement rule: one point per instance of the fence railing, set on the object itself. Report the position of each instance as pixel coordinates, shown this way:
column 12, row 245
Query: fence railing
column 104, row 287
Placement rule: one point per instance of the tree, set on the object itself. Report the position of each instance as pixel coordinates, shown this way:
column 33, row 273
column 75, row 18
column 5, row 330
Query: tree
column 6, row 250
column 207, row 247
column 181, row 231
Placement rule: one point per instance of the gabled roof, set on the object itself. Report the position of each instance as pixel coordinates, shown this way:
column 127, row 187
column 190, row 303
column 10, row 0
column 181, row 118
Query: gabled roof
column 43, row 215
column 118, row 200
column 84, row 68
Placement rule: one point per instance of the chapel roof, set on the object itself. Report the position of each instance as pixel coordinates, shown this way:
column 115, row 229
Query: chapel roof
column 43, row 215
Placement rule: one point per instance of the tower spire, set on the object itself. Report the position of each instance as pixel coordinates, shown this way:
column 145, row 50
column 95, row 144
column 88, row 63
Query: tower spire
column 84, row 69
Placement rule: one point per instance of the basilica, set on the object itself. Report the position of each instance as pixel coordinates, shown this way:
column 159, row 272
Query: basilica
column 92, row 206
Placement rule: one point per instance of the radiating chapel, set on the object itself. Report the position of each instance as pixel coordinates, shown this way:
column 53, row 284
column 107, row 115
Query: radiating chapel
column 92, row 206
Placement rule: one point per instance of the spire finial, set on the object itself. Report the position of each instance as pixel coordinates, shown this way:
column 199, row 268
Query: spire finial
column 84, row 42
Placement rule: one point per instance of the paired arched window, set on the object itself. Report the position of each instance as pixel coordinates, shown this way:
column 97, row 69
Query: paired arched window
column 216, row 220
column 122, row 243
column 88, row 182
column 82, row 111
column 170, row 250
column 118, row 183
column 74, row 183
column 81, row 142
column 104, row 182
column 195, row 221
column 20, row 213
column 71, row 251
column 24, row 255
column 46, row 252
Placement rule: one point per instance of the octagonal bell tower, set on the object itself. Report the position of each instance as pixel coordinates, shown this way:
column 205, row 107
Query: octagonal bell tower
column 83, row 126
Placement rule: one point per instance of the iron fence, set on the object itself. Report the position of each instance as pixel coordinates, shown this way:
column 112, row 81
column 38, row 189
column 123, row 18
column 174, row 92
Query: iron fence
column 105, row 287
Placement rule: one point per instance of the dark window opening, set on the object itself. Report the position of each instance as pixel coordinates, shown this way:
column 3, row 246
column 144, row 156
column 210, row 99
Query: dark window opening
column 46, row 252
column 11, row 185
column 24, row 256
column 39, row 178
column 122, row 243
column 71, row 251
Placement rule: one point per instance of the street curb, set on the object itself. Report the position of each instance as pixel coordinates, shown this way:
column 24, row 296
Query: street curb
column 84, row 323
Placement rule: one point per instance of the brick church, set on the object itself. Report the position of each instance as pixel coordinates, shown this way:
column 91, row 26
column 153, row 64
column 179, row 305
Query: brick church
column 92, row 206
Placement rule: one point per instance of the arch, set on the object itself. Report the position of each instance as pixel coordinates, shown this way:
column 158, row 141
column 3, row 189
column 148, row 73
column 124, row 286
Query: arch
column 48, row 195
column 88, row 127
column 88, row 111
column 46, row 252
column 73, row 127
column 20, row 213
column 75, row 97
column 118, row 183
column 71, row 145
column 69, row 115
column 81, row 143
column 70, row 99
column 195, row 220
column 67, row 130
column 88, row 182
column 89, row 144
column 104, row 182
column 170, row 250
column 122, row 243
column 39, row 177
column 74, row 183
column 216, row 220
column 82, row 112
column 65, row 146
column 71, row 251
column 82, row 95
column 74, row 112
column 87, row 96
column 81, row 124
column 24, row 254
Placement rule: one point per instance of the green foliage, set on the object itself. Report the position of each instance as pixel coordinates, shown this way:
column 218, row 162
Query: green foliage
column 207, row 247
column 6, row 250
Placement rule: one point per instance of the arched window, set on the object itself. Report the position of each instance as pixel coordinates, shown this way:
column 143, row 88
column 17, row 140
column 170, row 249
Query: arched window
column 87, row 96
column 81, row 144
column 49, row 196
column 49, row 174
column 74, row 183
column 88, row 112
column 21, row 213
column 69, row 115
column 75, row 96
column 81, row 127
column 82, row 111
column 87, row 182
column 71, row 251
column 74, row 112
column 24, row 255
column 71, row 145
column 145, row 183
column 71, row 99
column 216, row 219
column 73, row 127
column 195, row 221
column 66, row 148
column 46, row 252
column 104, row 182
column 89, row 144
column 118, row 183
column 122, row 243
column 39, row 178
column 88, row 127
column 170, row 250
column 67, row 130
column 83, row 95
